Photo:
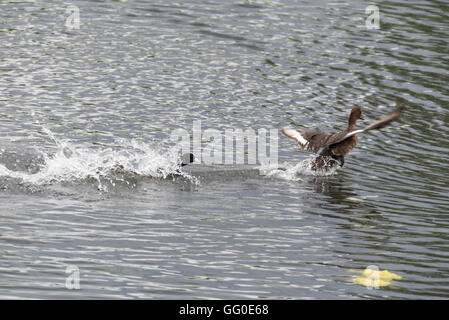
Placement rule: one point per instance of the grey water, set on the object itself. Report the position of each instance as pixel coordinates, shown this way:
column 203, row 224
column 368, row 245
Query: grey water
column 88, row 174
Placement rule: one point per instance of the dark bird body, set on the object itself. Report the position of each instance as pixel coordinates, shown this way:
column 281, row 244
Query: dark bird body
column 332, row 148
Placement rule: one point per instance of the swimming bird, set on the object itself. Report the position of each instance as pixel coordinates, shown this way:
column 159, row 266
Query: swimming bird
column 332, row 148
column 187, row 158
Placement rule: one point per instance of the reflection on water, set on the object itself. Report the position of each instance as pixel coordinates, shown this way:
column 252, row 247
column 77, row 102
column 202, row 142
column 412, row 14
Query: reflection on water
column 88, row 177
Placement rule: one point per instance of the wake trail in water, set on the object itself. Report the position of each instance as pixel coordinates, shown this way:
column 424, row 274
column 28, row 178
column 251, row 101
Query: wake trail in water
column 108, row 166
column 72, row 163
column 294, row 172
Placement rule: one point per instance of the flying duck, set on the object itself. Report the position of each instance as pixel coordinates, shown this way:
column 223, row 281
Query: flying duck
column 332, row 148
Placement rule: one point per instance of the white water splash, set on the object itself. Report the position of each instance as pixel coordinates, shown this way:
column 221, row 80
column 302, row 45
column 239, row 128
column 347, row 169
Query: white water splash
column 73, row 163
column 295, row 172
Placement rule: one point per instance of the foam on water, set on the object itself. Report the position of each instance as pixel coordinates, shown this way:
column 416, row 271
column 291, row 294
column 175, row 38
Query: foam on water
column 294, row 172
column 72, row 163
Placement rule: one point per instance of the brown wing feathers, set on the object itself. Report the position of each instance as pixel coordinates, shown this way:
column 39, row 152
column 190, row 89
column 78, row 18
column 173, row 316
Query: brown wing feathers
column 307, row 140
column 384, row 121
column 322, row 142
column 379, row 124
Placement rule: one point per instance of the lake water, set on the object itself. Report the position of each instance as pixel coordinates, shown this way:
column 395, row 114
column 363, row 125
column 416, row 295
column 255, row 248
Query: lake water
column 88, row 169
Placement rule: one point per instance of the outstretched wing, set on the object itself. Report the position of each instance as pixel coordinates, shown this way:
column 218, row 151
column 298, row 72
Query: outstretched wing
column 307, row 140
column 295, row 135
column 384, row 121
column 379, row 124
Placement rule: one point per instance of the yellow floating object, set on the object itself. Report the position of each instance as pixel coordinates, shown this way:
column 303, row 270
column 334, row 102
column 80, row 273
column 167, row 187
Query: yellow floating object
column 383, row 275
column 374, row 278
column 368, row 282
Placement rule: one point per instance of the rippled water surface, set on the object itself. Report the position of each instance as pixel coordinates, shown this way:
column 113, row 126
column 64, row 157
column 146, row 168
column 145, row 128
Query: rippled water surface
column 88, row 175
